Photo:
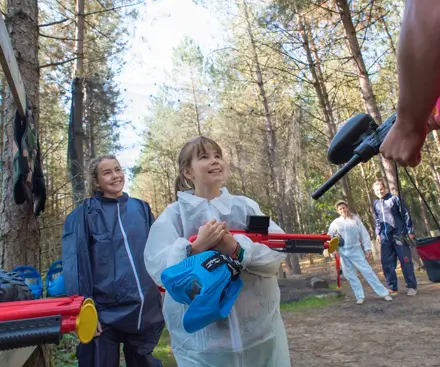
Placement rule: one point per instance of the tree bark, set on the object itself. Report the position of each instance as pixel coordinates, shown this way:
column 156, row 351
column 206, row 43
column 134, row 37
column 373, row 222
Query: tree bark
column 2, row 120
column 77, row 163
column 422, row 205
column 436, row 139
column 19, row 232
column 275, row 174
column 365, row 84
column 314, row 63
column 435, row 174
column 195, row 105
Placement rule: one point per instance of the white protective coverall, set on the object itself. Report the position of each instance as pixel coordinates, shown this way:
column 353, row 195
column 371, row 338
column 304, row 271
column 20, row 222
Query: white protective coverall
column 352, row 257
column 253, row 335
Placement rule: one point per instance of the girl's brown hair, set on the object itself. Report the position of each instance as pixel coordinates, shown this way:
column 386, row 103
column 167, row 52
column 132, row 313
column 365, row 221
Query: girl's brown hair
column 191, row 149
column 92, row 177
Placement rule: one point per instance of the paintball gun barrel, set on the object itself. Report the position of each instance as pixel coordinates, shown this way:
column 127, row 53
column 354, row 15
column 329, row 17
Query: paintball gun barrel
column 358, row 140
column 36, row 322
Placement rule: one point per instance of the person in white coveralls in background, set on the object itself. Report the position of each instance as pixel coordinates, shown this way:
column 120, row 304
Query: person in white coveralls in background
column 352, row 235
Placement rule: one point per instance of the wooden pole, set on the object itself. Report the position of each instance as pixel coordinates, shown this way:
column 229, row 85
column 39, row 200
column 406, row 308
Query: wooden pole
column 10, row 68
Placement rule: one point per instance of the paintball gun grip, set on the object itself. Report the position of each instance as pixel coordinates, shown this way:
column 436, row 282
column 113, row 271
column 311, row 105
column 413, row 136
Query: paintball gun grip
column 367, row 149
column 28, row 332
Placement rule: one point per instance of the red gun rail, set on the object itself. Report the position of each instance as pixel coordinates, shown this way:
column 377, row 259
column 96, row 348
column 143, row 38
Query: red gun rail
column 28, row 323
column 289, row 242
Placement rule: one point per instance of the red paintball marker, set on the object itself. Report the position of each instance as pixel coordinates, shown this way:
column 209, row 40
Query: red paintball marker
column 257, row 229
column 37, row 322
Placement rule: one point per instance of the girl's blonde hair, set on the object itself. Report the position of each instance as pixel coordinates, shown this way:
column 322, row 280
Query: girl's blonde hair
column 92, row 177
column 191, row 149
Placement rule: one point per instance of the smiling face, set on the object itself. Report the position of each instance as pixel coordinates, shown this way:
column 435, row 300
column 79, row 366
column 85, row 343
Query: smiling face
column 110, row 178
column 207, row 169
column 379, row 190
column 343, row 210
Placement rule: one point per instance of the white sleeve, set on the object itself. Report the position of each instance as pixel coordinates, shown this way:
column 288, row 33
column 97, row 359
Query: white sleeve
column 164, row 246
column 364, row 235
column 258, row 258
column 332, row 229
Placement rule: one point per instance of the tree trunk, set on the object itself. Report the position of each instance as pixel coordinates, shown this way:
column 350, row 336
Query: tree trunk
column 436, row 139
column 314, row 63
column 365, row 83
column 196, row 106
column 2, row 120
column 77, row 163
column 19, row 232
column 435, row 174
column 275, row 174
column 422, row 204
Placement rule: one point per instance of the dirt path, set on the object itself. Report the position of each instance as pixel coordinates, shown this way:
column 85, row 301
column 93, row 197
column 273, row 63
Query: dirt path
column 404, row 333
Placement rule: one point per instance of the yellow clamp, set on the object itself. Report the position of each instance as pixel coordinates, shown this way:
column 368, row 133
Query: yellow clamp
column 87, row 321
column 333, row 245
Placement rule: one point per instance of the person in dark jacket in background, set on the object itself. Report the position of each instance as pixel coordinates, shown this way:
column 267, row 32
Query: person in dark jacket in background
column 393, row 224
column 103, row 247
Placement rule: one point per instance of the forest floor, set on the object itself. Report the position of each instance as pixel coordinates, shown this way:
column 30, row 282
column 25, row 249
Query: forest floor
column 334, row 331
column 404, row 332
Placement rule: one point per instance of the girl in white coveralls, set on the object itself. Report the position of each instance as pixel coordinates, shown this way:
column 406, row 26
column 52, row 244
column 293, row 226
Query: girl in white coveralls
column 352, row 234
column 253, row 334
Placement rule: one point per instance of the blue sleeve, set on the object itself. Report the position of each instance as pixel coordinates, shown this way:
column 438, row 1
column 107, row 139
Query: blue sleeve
column 376, row 220
column 75, row 254
column 405, row 216
column 149, row 215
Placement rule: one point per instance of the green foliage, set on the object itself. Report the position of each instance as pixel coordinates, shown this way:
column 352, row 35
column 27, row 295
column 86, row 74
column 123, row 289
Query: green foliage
column 228, row 102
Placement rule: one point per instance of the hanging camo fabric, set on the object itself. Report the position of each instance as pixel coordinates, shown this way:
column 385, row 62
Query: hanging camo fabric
column 29, row 184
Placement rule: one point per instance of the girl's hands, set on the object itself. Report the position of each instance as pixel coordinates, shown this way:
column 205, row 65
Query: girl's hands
column 227, row 244
column 210, row 233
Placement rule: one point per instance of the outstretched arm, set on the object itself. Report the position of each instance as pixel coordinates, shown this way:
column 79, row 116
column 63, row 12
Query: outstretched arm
column 419, row 81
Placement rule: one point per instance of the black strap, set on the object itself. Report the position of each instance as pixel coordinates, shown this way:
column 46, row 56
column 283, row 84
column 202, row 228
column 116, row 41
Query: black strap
column 421, row 195
column 219, row 259
column 399, row 196
column 423, row 198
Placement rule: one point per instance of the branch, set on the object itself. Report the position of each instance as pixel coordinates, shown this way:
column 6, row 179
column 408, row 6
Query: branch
column 53, row 23
column 58, row 63
column 112, row 9
column 58, row 38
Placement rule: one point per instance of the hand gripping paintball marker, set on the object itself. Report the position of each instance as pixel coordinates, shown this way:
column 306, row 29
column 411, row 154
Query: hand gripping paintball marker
column 358, row 140
column 257, row 228
column 36, row 322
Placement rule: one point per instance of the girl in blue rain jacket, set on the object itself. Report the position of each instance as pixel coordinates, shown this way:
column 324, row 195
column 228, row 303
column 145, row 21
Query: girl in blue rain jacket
column 103, row 244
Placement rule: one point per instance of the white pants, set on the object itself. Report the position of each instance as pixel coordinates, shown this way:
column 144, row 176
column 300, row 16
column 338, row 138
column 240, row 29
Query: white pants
column 352, row 259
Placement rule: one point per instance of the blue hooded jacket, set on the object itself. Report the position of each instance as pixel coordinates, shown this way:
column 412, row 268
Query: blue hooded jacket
column 389, row 219
column 103, row 247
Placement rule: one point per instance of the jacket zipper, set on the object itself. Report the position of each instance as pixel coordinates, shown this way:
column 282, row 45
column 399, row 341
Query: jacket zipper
column 384, row 221
column 237, row 344
column 130, row 256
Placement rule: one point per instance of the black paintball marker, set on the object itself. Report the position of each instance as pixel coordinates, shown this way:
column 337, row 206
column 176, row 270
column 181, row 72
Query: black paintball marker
column 358, row 140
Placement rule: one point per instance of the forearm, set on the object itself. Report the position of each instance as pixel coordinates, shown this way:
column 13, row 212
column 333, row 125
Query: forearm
column 419, row 62
column 259, row 259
